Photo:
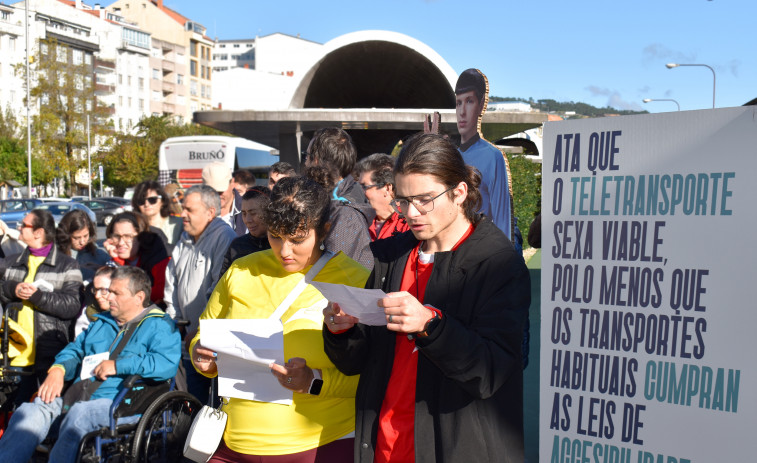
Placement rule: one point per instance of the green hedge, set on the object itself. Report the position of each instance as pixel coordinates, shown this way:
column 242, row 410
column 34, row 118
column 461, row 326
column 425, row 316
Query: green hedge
column 526, row 176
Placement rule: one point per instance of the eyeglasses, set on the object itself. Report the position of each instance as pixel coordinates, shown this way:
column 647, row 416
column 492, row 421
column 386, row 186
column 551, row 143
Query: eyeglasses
column 422, row 204
column 368, row 187
column 22, row 225
column 126, row 238
column 152, row 200
column 103, row 291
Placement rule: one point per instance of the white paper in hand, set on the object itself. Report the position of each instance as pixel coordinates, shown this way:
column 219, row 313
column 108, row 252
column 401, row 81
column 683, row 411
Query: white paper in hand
column 246, row 348
column 90, row 362
column 358, row 302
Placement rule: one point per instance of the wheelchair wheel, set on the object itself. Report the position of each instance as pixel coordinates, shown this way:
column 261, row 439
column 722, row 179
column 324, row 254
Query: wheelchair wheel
column 163, row 428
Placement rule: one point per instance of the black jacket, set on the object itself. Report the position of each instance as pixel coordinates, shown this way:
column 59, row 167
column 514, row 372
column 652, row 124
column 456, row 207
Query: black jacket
column 469, row 391
column 54, row 312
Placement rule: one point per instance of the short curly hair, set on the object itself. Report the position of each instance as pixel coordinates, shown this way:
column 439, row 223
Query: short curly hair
column 298, row 204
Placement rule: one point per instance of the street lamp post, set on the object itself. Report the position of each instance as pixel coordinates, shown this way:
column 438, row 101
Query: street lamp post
column 647, row 100
column 675, row 65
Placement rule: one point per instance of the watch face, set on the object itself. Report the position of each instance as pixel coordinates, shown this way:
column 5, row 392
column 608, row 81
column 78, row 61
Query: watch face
column 315, row 389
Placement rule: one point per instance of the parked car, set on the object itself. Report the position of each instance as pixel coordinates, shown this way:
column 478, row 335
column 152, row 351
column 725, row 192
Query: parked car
column 104, row 210
column 59, row 209
column 12, row 211
column 126, row 203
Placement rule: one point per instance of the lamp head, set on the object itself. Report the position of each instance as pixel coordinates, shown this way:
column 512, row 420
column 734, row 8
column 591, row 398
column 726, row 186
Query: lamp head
column 671, row 65
column 647, row 100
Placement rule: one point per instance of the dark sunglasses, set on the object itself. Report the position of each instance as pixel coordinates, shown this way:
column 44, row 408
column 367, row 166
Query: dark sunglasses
column 152, row 200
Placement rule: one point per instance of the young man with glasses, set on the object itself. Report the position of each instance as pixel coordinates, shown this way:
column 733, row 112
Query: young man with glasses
column 45, row 285
column 374, row 173
column 447, row 366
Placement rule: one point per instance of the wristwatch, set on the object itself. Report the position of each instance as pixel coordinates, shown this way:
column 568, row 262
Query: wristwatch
column 316, row 384
column 429, row 326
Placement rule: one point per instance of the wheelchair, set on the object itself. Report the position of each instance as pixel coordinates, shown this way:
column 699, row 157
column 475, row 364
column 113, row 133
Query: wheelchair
column 158, row 436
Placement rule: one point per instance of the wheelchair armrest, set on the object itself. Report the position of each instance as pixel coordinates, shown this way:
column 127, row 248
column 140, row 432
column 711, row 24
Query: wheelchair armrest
column 130, row 381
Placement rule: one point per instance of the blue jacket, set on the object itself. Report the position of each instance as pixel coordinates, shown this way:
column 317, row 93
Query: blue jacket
column 154, row 350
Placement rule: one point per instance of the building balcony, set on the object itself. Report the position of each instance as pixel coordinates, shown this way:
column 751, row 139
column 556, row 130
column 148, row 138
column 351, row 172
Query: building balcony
column 168, row 66
column 101, row 89
column 169, row 108
column 168, row 87
column 104, row 65
column 89, row 42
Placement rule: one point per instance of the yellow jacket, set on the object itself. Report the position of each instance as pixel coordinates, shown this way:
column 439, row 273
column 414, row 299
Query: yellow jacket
column 253, row 287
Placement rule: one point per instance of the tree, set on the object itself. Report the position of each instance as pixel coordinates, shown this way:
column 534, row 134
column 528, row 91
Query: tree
column 65, row 93
column 134, row 158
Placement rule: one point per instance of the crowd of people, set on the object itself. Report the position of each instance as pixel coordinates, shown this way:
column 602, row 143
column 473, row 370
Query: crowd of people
column 440, row 381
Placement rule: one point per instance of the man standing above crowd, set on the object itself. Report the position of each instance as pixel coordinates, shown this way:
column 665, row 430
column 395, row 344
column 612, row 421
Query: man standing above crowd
column 242, row 180
column 217, row 176
column 375, row 175
column 351, row 214
column 141, row 341
column 195, row 267
column 443, row 380
column 470, row 99
column 47, row 284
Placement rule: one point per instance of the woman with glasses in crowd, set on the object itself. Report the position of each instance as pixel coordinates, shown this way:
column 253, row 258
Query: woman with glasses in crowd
column 151, row 201
column 318, row 425
column 130, row 242
column 76, row 237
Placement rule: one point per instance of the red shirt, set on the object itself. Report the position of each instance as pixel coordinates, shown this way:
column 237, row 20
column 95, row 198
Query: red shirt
column 392, row 226
column 395, row 441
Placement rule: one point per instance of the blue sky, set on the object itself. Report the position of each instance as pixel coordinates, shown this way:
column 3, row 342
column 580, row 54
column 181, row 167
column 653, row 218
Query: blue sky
column 605, row 53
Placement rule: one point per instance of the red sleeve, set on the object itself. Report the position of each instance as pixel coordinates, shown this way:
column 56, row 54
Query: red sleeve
column 159, row 280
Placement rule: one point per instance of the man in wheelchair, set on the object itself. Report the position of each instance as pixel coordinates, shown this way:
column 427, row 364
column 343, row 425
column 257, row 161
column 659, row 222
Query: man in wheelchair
column 134, row 338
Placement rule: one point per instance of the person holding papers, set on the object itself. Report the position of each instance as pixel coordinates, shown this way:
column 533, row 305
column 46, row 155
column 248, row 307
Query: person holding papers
column 443, row 380
column 318, row 425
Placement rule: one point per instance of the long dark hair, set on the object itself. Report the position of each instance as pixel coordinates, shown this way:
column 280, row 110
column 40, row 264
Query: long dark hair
column 434, row 155
column 71, row 223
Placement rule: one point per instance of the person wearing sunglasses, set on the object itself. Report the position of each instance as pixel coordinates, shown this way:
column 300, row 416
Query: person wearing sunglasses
column 447, row 366
column 153, row 203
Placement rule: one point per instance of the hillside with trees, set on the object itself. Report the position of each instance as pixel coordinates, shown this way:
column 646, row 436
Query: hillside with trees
column 558, row 107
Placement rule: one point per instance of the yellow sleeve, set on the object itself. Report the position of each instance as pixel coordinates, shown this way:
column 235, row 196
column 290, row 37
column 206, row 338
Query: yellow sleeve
column 336, row 384
column 217, row 307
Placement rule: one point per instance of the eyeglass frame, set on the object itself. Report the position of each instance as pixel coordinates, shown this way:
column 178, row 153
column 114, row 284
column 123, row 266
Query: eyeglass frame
column 125, row 238
column 21, row 225
column 418, row 207
column 104, row 291
column 376, row 185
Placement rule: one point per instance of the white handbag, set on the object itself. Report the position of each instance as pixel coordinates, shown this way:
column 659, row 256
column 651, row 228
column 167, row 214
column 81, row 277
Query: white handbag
column 205, row 434
column 208, row 426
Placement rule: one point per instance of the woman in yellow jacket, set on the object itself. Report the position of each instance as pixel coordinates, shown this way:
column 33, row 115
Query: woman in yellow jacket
column 319, row 424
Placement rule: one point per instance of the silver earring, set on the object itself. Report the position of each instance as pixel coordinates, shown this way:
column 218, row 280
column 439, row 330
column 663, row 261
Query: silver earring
column 322, row 246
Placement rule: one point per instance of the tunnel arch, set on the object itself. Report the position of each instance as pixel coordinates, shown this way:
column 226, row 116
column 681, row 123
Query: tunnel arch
column 376, row 69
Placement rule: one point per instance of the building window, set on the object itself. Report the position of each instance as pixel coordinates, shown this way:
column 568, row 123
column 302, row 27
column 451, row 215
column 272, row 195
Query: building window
column 87, row 59
column 61, row 54
column 180, row 79
column 43, row 48
column 78, row 82
column 78, row 57
column 141, row 83
column 120, row 101
column 130, row 102
column 193, row 68
column 128, row 80
column 120, row 79
column 193, row 88
column 12, row 43
column 193, row 48
column 141, row 104
column 236, row 45
column 156, row 95
column 156, row 74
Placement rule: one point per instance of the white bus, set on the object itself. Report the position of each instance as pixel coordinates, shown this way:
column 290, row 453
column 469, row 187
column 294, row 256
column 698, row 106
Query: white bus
column 181, row 159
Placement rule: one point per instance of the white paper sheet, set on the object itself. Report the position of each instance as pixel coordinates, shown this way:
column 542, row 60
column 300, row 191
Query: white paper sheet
column 246, row 348
column 358, row 302
column 90, row 362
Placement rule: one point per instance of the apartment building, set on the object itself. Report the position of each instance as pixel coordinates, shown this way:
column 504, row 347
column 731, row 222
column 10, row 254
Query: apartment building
column 12, row 48
column 180, row 56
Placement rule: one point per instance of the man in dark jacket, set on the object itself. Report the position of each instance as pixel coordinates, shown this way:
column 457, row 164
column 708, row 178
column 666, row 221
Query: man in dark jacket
column 46, row 285
column 351, row 214
column 443, row 380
